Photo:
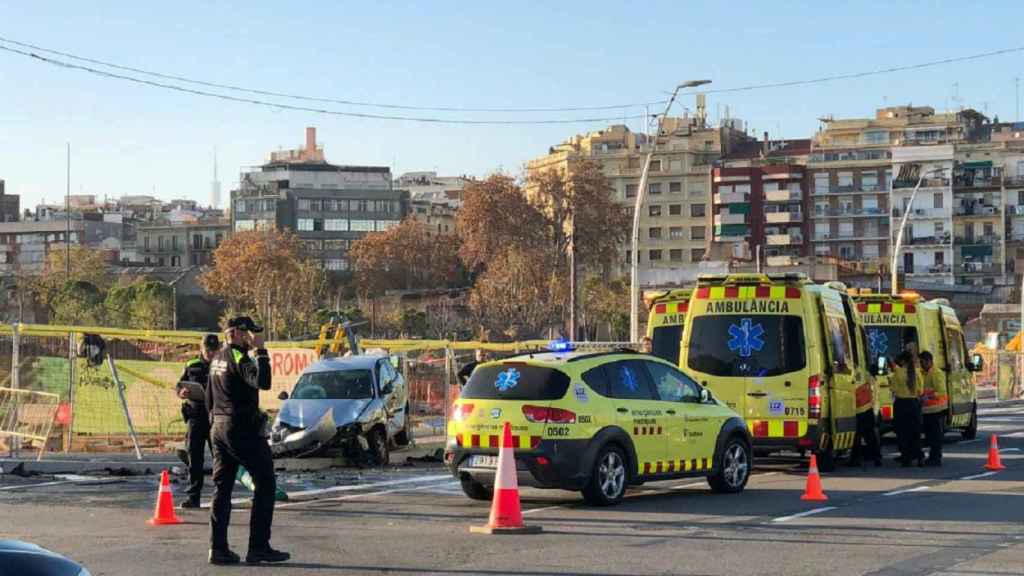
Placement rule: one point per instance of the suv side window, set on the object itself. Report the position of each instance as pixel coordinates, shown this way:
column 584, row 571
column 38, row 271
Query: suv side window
column 672, row 385
column 629, row 380
column 597, row 379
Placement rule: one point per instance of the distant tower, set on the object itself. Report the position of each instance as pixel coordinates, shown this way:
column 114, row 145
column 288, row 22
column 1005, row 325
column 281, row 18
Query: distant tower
column 215, row 185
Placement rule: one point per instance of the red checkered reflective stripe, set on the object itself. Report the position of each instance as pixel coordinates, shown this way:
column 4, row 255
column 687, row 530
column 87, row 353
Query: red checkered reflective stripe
column 458, row 439
column 761, row 428
column 647, row 467
column 475, row 440
column 671, row 466
column 791, row 428
column 683, row 306
column 660, row 308
column 658, row 469
column 886, row 307
column 534, row 441
column 515, row 441
column 492, row 441
column 862, row 307
column 703, row 292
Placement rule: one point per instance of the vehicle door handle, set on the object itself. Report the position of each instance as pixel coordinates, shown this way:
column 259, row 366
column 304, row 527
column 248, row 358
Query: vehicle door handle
column 788, row 383
column 623, row 410
column 757, row 394
column 672, row 412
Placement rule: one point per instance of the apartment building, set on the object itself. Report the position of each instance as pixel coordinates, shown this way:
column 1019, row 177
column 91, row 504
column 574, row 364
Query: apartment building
column 179, row 244
column 24, row 245
column 759, row 203
column 327, row 205
column 927, row 250
column 675, row 222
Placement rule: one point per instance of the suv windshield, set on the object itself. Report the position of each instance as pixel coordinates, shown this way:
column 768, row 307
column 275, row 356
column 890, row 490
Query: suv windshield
column 336, row 385
column 514, row 381
column 757, row 345
column 888, row 340
column 666, row 342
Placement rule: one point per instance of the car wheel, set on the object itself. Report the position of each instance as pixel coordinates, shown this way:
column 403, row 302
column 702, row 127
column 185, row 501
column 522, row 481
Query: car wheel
column 971, row 432
column 404, row 436
column 733, row 467
column 607, row 483
column 474, row 489
column 378, row 441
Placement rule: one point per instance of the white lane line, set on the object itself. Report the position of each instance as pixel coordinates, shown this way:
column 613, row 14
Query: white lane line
column 804, row 514
column 39, row 485
column 976, row 476
column 367, row 494
column 908, row 490
column 969, row 441
column 1010, row 450
column 351, row 487
column 532, row 510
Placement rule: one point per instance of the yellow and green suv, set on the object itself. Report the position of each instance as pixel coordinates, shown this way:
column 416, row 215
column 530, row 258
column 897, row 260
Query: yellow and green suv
column 594, row 422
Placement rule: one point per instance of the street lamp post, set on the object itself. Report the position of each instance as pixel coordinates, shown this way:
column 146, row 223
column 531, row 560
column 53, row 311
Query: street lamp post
column 641, row 195
column 903, row 222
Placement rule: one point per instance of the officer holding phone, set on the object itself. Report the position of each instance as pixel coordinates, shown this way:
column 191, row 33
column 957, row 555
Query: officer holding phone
column 237, row 374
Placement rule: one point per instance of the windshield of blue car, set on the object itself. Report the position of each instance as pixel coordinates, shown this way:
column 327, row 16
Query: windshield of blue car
column 334, row 385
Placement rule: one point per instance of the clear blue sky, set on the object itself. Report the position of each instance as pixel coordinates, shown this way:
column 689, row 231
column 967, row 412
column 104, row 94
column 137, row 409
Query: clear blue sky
column 131, row 139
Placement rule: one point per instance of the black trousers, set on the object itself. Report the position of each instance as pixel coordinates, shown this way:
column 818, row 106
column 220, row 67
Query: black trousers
column 197, row 436
column 237, row 444
column 867, row 433
column 907, row 414
column 933, row 433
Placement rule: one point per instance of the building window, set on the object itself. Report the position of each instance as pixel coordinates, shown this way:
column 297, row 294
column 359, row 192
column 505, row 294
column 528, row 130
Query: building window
column 336, row 225
column 675, row 209
column 846, row 229
column 939, row 229
column 675, row 187
column 937, row 200
column 821, row 183
column 382, row 225
column 654, row 211
column 697, row 233
column 304, row 204
column 361, row 226
column 336, row 264
column 845, row 181
column 631, row 190
column 653, row 255
column 242, row 225
column 696, row 210
column 869, row 181
column 847, row 252
column 654, row 233
column 654, row 188
column 305, row 224
column 696, row 255
column 240, row 207
column 361, row 205
column 675, row 255
column 888, row 180
column 989, row 230
column 145, row 243
column 675, row 232
column 160, row 243
column 697, row 191
column 655, row 165
column 218, row 238
column 876, row 137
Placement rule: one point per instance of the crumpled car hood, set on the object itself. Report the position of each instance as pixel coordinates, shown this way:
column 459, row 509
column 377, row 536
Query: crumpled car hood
column 305, row 413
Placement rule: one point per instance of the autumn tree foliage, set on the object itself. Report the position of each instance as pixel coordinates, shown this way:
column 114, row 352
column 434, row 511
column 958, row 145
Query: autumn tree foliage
column 268, row 275
column 405, row 257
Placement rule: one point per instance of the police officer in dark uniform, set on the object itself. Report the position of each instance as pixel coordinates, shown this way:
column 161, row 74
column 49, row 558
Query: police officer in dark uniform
column 197, row 418
column 236, row 377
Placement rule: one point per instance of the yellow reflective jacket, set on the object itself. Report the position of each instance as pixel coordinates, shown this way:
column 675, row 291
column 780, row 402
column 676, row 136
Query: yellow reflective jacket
column 899, row 385
column 934, row 399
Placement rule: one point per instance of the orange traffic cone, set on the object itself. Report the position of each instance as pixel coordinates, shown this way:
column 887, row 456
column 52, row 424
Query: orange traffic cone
column 994, row 462
column 813, row 491
column 506, row 514
column 164, row 504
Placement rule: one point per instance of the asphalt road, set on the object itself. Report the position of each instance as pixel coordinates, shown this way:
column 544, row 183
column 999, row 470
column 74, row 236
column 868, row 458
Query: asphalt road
column 955, row 520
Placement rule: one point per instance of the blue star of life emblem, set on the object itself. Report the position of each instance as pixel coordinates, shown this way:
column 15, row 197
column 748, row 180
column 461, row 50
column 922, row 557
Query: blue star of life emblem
column 507, row 380
column 878, row 342
column 628, row 379
column 746, row 338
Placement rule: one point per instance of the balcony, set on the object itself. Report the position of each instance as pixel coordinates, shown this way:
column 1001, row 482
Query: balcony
column 977, row 211
column 970, row 179
column 729, row 218
column 924, row 213
column 944, row 239
column 978, row 268
column 783, row 217
column 989, row 239
column 784, row 239
column 783, row 260
column 909, row 183
column 1013, row 181
column 782, row 196
column 850, row 213
column 862, row 235
column 732, row 198
column 927, row 270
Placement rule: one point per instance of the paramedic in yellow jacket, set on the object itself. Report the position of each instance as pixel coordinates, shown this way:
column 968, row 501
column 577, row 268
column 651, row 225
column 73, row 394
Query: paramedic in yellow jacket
column 906, row 383
column 934, row 404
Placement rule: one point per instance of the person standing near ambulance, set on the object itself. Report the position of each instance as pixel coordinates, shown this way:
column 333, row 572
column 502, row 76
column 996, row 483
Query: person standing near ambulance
column 906, row 384
column 197, row 417
column 934, row 403
column 236, row 378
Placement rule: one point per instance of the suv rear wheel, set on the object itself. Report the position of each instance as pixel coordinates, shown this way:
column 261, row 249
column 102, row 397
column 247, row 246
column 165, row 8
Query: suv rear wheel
column 608, row 478
column 474, row 489
column 733, row 467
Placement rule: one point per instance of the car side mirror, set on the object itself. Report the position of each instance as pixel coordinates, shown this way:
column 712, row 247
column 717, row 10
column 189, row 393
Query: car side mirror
column 706, row 397
column 882, row 366
column 282, row 396
column 977, row 363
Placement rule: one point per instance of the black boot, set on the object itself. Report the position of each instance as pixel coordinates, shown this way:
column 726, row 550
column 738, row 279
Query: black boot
column 223, row 557
column 267, row 554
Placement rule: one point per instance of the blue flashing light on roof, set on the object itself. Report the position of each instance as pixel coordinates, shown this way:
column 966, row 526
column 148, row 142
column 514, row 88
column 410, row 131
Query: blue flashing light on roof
column 560, row 345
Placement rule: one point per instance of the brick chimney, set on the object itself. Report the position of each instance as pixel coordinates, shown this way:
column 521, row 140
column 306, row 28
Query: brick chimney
column 311, row 140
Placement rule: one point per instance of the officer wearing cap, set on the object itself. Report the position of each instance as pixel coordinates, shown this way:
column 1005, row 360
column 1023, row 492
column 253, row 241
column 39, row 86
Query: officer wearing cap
column 196, row 416
column 237, row 374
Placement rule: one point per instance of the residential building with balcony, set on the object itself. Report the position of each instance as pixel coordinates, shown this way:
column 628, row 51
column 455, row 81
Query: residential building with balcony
column 927, row 251
column 676, row 220
column 180, row 244
column 328, row 206
column 24, row 245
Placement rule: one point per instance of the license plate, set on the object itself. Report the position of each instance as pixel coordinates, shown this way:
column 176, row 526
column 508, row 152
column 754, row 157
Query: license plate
column 479, row 461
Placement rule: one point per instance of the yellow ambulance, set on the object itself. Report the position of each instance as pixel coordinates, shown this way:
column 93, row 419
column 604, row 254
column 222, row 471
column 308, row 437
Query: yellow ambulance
column 665, row 321
column 892, row 321
column 786, row 354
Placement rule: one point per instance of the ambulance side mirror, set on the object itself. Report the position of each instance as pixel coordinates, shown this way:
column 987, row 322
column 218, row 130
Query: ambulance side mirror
column 976, row 363
column 706, row 397
column 282, row 396
column 882, row 366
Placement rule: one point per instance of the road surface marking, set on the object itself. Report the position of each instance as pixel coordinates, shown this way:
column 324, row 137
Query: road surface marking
column 67, row 479
column 1010, row 450
column 351, row 487
column 368, row 494
column 532, row 510
column 970, row 441
column 39, row 485
column 976, row 476
column 918, row 489
column 804, row 514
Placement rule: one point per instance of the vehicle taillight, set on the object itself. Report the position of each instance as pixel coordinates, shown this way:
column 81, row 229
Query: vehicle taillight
column 544, row 415
column 462, row 412
column 814, row 397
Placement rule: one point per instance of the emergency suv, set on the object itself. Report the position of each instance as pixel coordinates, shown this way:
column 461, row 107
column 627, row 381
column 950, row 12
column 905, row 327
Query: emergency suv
column 665, row 321
column 786, row 354
column 893, row 321
column 594, row 422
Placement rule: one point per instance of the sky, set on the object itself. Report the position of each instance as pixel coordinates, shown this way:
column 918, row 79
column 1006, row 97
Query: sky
column 128, row 138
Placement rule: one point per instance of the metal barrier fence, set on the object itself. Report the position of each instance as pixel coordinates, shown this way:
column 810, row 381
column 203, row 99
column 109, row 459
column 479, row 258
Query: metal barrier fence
column 1002, row 373
column 26, row 418
column 88, row 414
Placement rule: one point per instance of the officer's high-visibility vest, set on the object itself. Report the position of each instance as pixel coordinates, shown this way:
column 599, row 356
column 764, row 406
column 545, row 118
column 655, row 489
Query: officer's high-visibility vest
column 934, row 397
column 899, row 385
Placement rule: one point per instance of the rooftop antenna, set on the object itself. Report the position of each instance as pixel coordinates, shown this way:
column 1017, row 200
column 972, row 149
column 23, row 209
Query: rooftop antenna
column 215, row 185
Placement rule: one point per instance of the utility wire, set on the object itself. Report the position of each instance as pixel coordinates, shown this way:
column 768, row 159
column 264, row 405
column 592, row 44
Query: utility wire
column 293, row 107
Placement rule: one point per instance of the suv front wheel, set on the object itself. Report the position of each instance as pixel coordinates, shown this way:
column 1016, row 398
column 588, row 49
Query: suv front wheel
column 607, row 483
column 733, row 467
